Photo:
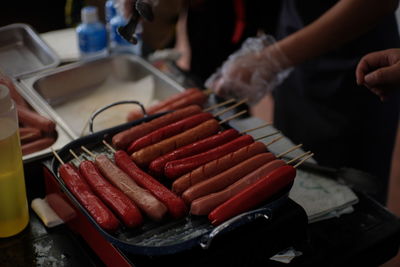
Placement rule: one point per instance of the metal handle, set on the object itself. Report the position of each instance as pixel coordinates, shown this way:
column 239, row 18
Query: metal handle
column 97, row 112
column 242, row 218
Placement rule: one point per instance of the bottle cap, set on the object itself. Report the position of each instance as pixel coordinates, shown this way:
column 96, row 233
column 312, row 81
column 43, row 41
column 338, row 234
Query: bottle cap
column 5, row 99
column 89, row 14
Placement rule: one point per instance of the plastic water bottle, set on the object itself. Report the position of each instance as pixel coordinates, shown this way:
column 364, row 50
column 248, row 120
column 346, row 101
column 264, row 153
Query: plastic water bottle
column 117, row 43
column 110, row 10
column 92, row 34
column 14, row 216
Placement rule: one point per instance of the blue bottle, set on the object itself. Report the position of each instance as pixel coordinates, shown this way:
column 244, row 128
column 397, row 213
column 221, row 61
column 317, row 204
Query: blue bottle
column 92, row 34
column 110, row 10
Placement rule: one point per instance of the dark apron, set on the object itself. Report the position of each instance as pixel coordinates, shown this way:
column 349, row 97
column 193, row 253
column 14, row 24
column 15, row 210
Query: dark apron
column 321, row 106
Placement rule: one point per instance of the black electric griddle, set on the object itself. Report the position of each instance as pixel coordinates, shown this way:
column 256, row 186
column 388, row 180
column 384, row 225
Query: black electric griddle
column 168, row 236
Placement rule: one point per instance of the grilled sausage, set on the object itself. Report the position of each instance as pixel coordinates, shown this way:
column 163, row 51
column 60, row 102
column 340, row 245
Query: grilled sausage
column 205, row 204
column 114, row 198
column 29, row 134
column 37, row 145
column 123, row 139
column 226, row 178
column 176, row 101
column 156, row 167
column 168, row 131
column 30, row 118
column 81, row 190
column 177, row 168
column 254, row 195
column 176, row 206
column 144, row 156
column 141, row 197
column 216, row 166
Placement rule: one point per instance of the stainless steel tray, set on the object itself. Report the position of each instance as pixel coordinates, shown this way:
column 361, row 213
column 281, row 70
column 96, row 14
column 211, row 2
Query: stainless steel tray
column 71, row 93
column 23, row 52
column 58, row 92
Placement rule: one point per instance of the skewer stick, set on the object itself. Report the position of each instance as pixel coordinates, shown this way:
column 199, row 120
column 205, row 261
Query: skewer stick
column 233, row 116
column 75, row 155
column 289, row 150
column 57, row 156
column 274, row 140
column 208, row 91
column 301, row 162
column 298, row 157
column 265, row 136
column 88, row 151
column 256, row 128
column 108, row 146
column 231, row 107
column 219, row 105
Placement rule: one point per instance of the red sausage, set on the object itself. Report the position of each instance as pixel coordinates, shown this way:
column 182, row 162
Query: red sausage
column 141, row 197
column 146, row 155
column 254, row 195
column 196, row 98
column 80, row 189
column 37, row 145
column 28, row 134
column 156, row 108
column 168, row 131
column 205, row 204
column 156, row 167
column 30, row 118
column 112, row 197
column 177, row 168
column 175, row 204
column 216, row 166
column 18, row 99
column 226, row 178
column 123, row 139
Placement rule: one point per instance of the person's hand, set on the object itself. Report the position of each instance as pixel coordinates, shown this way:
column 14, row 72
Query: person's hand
column 380, row 72
column 251, row 72
column 144, row 7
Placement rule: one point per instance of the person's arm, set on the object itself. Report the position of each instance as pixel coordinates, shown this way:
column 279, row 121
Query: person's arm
column 345, row 21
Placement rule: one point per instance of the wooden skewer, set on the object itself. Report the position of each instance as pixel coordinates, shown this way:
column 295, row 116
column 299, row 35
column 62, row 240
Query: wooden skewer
column 274, row 140
column 289, row 150
column 219, row 105
column 233, row 116
column 88, row 151
column 108, row 146
column 57, row 156
column 301, row 162
column 230, row 108
column 256, row 128
column 75, row 155
column 265, row 136
column 208, row 91
column 298, row 157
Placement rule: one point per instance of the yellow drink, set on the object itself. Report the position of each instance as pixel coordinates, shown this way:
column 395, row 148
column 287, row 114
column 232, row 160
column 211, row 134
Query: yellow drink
column 14, row 214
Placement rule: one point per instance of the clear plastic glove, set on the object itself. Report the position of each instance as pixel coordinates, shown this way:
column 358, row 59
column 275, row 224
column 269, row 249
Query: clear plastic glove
column 125, row 7
column 380, row 72
column 252, row 71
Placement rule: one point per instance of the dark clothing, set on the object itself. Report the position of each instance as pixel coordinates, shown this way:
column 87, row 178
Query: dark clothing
column 211, row 25
column 321, row 106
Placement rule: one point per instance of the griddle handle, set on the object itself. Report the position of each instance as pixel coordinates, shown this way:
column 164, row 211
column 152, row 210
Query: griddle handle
column 97, row 112
column 240, row 219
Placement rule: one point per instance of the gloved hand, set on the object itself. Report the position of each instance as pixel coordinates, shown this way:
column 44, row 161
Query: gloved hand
column 252, row 71
column 144, row 7
column 380, row 72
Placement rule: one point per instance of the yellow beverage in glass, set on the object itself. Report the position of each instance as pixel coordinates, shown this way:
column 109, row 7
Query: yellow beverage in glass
column 14, row 215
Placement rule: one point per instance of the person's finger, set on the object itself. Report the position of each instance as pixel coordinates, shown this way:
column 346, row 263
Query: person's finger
column 369, row 63
column 386, row 77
